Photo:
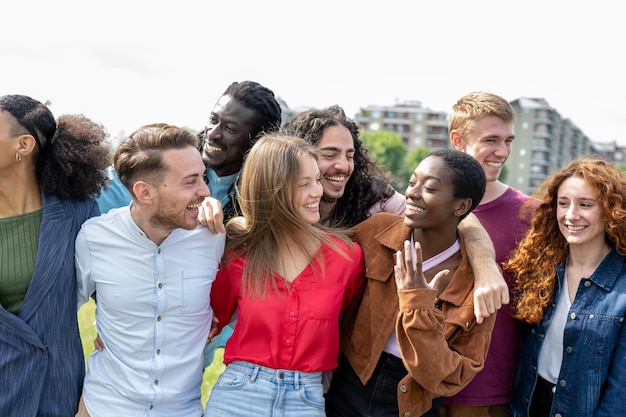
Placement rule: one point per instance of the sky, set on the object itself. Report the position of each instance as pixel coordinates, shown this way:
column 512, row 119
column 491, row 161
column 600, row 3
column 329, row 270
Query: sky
column 132, row 62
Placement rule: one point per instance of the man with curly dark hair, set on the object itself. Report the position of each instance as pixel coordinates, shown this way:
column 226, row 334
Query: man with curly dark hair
column 49, row 171
column 355, row 189
column 354, row 184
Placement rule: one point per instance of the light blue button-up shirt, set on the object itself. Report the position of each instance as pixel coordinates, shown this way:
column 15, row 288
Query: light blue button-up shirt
column 221, row 187
column 152, row 314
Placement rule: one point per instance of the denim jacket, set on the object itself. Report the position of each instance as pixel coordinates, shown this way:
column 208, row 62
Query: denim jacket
column 592, row 380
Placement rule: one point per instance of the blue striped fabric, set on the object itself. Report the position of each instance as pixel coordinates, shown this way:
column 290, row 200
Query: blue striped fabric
column 41, row 356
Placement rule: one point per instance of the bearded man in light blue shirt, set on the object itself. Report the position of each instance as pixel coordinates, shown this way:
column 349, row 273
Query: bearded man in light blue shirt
column 152, row 267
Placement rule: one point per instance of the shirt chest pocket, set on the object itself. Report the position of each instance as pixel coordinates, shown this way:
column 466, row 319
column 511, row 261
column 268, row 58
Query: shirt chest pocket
column 326, row 300
column 196, row 289
column 601, row 331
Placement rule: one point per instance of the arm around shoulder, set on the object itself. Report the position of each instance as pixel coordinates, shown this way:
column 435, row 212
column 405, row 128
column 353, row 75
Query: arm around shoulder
column 490, row 288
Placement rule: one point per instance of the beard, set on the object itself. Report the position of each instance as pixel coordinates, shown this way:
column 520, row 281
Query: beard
column 168, row 217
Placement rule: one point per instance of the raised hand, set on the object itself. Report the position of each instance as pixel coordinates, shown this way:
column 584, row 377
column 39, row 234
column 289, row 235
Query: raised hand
column 408, row 269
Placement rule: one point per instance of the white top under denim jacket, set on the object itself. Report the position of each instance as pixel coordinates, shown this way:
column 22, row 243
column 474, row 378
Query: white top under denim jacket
column 592, row 378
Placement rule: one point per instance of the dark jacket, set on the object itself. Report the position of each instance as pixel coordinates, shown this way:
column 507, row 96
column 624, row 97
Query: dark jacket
column 41, row 355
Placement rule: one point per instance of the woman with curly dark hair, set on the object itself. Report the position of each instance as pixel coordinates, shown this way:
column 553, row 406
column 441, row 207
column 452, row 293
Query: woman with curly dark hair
column 48, row 172
column 570, row 285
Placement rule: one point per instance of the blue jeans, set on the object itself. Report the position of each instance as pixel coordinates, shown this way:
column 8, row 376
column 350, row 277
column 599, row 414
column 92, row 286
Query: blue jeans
column 348, row 397
column 246, row 389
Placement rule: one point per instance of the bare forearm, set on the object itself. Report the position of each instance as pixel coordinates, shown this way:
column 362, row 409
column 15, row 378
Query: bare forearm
column 490, row 288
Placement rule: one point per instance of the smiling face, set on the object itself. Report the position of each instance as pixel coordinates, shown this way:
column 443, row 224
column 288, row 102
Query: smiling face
column 228, row 136
column 430, row 201
column 181, row 192
column 336, row 161
column 489, row 142
column 579, row 214
column 308, row 191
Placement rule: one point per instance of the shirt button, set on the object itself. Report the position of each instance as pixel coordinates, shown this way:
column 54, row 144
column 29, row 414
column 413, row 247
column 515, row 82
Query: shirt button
column 403, row 388
column 158, row 318
column 587, row 284
column 160, row 285
column 159, row 251
column 158, row 351
column 572, row 316
column 291, row 313
column 287, row 341
column 569, row 349
column 151, row 406
column 562, row 383
column 406, row 414
column 156, row 382
column 558, row 415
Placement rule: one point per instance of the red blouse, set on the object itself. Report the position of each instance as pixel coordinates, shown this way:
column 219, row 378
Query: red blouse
column 297, row 330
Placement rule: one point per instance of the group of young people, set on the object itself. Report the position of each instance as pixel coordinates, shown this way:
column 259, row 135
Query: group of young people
column 332, row 293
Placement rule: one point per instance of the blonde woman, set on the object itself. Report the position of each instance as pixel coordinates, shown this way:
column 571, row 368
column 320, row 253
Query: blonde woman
column 288, row 280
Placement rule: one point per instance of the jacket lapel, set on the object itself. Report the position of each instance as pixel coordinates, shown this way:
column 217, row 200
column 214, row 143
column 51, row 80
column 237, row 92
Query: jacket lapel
column 380, row 268
column 52, row 251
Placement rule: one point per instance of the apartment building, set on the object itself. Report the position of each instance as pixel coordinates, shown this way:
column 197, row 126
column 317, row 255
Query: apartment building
column 417, row 125
column 545, row 141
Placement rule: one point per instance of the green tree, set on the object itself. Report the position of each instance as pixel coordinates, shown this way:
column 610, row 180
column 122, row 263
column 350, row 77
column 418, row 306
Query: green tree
column 416, row 156
column 622, row 168
column 387, row 149
column 504, row 174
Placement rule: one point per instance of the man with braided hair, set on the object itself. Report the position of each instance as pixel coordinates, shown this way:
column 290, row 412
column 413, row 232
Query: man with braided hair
column 245, row 110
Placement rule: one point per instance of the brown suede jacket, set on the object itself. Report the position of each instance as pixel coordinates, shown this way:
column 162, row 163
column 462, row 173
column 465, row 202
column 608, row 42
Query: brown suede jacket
column 442, row 348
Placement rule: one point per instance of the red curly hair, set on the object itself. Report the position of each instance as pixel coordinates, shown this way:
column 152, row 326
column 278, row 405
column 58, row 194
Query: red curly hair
column 543, row 247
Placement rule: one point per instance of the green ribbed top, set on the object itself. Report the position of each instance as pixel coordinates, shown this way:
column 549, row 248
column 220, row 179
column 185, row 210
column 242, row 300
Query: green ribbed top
column 19, row 238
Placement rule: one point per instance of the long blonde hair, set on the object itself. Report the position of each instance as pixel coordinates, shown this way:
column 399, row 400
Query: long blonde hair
column 266, row 196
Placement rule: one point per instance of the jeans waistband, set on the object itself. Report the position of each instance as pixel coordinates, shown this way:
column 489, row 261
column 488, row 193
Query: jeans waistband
column 279, row 376
column 391, row 361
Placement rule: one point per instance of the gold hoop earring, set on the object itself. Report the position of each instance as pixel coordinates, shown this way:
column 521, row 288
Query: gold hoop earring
column 18, row 157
